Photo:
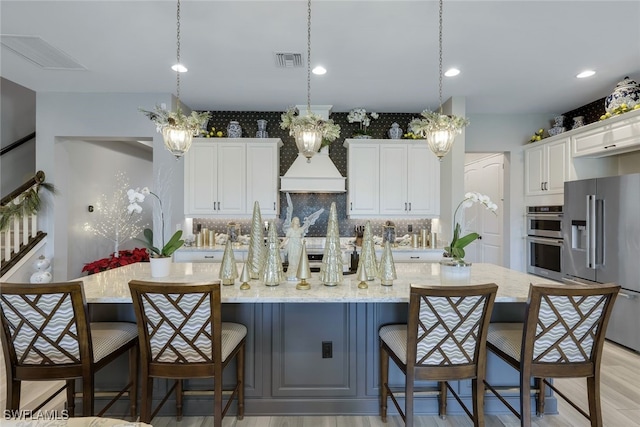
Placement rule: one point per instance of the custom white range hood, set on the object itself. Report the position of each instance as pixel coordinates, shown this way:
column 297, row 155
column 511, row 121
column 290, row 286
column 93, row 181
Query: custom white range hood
column 319, row 175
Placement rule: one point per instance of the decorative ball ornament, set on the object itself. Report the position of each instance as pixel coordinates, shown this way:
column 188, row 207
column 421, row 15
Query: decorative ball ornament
column 42, row 263
column 626, row 92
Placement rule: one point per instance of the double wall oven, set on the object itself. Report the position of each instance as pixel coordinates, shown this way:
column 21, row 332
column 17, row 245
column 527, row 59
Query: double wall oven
column 544, row 241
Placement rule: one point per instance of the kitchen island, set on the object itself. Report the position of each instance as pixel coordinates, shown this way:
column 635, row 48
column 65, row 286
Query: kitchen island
column 289, row 331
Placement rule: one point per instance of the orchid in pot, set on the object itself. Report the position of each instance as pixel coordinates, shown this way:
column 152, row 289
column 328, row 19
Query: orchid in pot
column 359, row 115
column 458, row 243
column 167, row 249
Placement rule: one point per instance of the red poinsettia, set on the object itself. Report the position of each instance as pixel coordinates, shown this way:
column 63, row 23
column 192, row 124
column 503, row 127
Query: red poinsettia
column 125, row 257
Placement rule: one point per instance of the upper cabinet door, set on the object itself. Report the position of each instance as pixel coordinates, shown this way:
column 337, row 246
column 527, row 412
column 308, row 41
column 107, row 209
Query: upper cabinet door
column 557, row 166
column 423, row 186
column 363, row 179
column 535, row 170
column 393, row 180
column 263, row 168
column 200, row 183
column 232, row 179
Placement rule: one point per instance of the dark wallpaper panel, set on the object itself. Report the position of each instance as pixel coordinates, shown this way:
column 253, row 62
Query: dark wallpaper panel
column 305, row 204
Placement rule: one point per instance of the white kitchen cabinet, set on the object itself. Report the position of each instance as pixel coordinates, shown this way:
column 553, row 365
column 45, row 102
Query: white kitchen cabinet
column 364, row 182
column 547, row 167
column 224, row 176
column 392, row 179
column 612, row 136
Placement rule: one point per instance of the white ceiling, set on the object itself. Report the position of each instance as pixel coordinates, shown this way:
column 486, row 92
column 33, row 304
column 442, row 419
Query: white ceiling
column 515, row 56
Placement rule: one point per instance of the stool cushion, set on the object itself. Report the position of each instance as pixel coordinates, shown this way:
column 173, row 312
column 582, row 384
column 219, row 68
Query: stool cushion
column 106, row 337
column 232, row 334
column 395, row 337
column 507, row 337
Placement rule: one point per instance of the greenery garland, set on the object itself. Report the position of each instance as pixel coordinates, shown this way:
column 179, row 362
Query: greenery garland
column 26, row 204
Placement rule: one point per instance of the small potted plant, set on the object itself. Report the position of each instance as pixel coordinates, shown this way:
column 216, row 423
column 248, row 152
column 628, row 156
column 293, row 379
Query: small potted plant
column 359, row 115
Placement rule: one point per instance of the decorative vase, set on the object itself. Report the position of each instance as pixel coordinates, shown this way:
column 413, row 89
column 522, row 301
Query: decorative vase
column 361, row 136
column 262, row 129
column 578, row 121
column 234, row 130
column 627, row 92
column 395, row 132
column 558, row 121
column 41, row 277
column 160, row 267
column 455, row 272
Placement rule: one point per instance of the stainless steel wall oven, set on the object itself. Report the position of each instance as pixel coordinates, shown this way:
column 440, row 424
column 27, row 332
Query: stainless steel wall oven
column 544, row 241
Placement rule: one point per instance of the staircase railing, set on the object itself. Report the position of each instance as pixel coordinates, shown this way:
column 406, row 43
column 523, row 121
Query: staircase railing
column 21, row 233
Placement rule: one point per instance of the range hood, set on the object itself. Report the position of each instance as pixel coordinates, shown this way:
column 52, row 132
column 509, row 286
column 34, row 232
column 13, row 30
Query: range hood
column 319, row 175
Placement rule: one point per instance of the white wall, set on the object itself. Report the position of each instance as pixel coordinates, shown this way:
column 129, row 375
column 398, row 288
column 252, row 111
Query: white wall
column 17, row 120
column 62, row 117
column 129, row 158
column 508, row 134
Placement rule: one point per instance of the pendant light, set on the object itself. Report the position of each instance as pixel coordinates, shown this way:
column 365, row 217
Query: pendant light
column 439, row 129
column 177, row 137
column 177, row 129
column 309, row 138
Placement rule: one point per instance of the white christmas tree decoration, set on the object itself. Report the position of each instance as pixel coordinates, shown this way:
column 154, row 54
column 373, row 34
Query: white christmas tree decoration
column 112, row 219
column 368, row 255
column 257, row 250
column 331, row 268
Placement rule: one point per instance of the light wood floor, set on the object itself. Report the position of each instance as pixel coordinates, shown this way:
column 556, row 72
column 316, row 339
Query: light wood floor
column 620, row 394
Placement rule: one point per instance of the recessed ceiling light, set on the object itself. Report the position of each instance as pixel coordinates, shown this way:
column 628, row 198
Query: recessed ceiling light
column 319, row 70
column 451, row 72
column 586, row 73
column 179, row 68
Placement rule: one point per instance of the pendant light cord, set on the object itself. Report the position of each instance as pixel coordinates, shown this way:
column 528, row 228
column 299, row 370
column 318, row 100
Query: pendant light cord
column 308, row 57
column 178, row 55
column 440, row 53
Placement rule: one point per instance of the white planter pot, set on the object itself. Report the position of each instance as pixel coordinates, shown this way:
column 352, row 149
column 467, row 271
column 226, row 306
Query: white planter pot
column 160, row 267
column 453, row 273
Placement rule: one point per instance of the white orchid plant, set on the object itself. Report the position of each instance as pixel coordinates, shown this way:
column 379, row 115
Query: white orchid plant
column 296, row 122
column 458, row 243
column 359, row 115
column 434, row 121
column 137, row 196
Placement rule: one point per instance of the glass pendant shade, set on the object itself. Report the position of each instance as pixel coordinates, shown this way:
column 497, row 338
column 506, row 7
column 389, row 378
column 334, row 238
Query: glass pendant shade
column 308, row 142
column 440, row 141
column 177, row 139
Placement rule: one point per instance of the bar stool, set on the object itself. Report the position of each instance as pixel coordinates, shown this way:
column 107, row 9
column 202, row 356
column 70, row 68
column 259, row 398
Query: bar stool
column 47, row 336
column 443, row 340
column 562, row 337
column 182, row 336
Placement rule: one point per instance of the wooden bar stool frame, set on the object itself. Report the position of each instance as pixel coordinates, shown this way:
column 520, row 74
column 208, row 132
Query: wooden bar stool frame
column 555, row 346
column 210, row 366
column 73, row 345
column 467, row 334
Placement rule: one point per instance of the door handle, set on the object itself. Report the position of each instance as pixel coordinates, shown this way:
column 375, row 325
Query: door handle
column 350, row 206
column 542, row 186
column 610, row 146
column 218, row 205
column 591, row 229
column 405, row 206
column 209, row 256
column 274, row 206
column 409, row 205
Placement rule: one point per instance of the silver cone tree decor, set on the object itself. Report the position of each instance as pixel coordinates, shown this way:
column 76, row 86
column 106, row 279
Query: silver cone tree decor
column 273, row 273
column 257, row 250
column 387, row 270
column 331, row 268
column 368, row 255
column 228, row 269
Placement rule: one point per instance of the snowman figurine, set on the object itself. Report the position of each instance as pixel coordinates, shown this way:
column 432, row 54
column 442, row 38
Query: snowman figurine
column 42, row 275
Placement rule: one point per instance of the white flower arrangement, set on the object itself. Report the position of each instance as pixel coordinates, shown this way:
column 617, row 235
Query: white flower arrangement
column 295, row 122
column 196, row 121
column 359, row 115
column 433, row 121
column 458, row 243
column 137, row 196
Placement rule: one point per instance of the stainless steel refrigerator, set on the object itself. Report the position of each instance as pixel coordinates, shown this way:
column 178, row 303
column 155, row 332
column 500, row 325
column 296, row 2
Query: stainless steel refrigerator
column 601, row 234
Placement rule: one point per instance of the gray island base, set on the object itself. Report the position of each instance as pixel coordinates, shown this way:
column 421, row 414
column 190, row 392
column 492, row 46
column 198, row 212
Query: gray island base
column 291, row 333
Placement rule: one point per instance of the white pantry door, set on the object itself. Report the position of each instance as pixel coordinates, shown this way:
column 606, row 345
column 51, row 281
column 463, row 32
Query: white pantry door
column 485, row 176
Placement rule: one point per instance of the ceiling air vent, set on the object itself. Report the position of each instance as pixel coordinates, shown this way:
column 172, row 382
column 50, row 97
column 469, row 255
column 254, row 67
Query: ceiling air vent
column 289, row 60
column 40, row 52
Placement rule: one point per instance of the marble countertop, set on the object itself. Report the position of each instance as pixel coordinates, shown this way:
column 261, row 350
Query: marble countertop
column 245, row 248
column 111, row 286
